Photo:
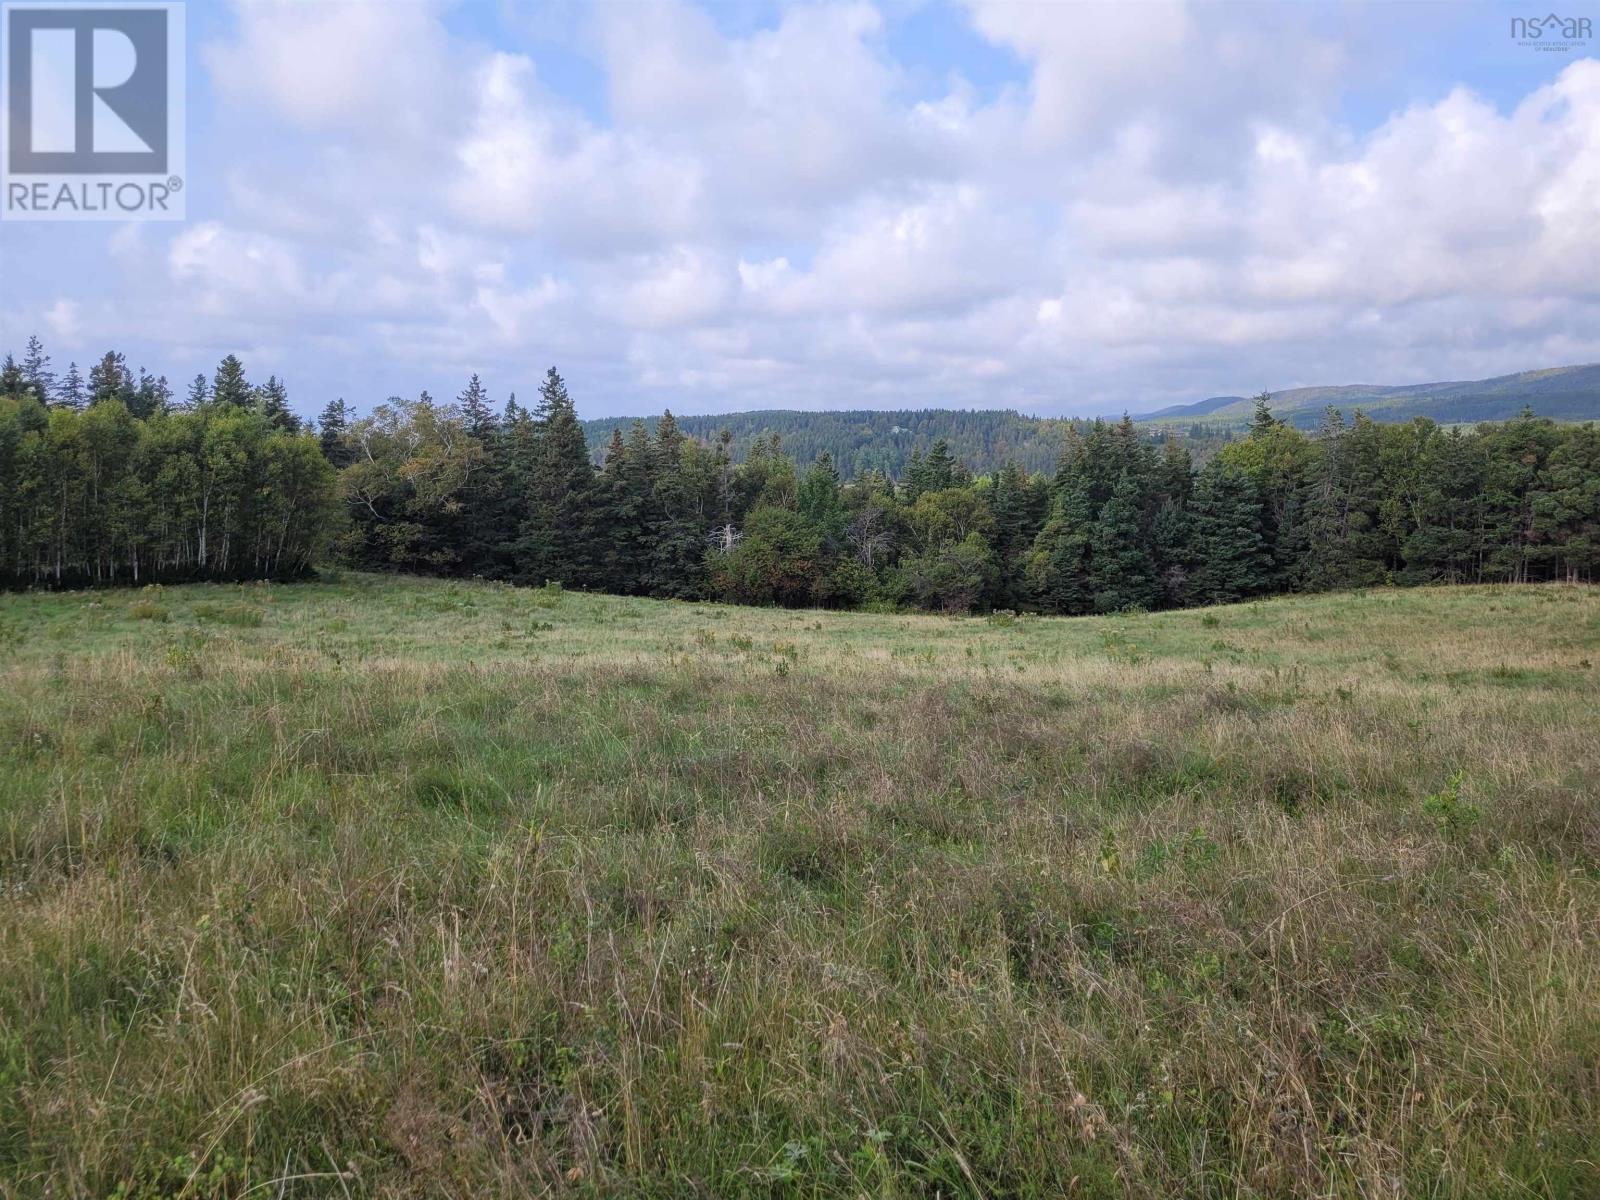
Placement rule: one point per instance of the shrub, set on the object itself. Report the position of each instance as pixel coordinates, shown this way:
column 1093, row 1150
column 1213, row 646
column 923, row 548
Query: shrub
column 1452, row 813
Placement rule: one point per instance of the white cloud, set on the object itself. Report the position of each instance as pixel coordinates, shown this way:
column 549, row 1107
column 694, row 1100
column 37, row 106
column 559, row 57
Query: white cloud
column 530, row 167
column 683, row 286
column 233, row 270
column 378, row 67
column 62, row 320
column 1167, row 204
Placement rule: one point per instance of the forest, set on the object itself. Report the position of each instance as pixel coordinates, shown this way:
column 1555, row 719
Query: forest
column 113, row 480
column 862, row 441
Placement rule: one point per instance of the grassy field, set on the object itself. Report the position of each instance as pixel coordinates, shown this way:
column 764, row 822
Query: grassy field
column 374, row 888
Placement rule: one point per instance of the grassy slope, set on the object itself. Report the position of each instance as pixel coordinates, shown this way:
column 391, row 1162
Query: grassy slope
column 423, row 887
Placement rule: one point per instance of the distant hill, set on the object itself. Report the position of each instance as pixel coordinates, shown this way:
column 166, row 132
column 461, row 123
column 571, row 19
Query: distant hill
column 867, row 440
column 1562, row 393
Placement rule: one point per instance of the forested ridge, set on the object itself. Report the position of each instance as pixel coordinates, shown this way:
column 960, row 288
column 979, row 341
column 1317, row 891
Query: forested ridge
column 113, row 480
column 866, row 440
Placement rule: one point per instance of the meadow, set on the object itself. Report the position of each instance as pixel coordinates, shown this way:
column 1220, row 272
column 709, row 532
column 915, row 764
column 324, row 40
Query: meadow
column 386, row 887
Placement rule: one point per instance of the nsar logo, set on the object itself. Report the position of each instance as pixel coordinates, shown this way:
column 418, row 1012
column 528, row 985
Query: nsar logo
column 1552, row 32
column 94, row 118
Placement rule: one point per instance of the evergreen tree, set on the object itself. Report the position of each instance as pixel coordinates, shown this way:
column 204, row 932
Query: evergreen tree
column 623, row 507
column 1516, row 453
column 1058, row 569
column 228, row 386
column 1019, row 510
column 36, row 374
column 939, row 468
column 818, row 501
column 1231, row 561
column 485, row 529
column 1566, row 509
column 72, row 393
column 150, row 396
column 108, row 379
column 669, row 441
column 683, row 499
column 1444, row 485
column 519, row 447
column 1278, row 459
column 1262, row 421
column 197, row 394
column 11, row 381
column 1176, row 476
column 271, row 399
column 1121, row 570
column 331, row 427
column 915, row 480
column 476, row 414
column 556, row 536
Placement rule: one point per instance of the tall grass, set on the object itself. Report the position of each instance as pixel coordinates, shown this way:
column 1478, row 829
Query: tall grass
column 388, row 888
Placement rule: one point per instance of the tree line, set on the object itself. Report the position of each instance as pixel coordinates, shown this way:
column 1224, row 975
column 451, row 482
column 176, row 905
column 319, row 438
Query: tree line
column 862, row 441
column 226, row 483
column 109, row 481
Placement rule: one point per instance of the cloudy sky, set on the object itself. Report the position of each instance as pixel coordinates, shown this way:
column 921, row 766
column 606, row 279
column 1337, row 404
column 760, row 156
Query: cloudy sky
column 1058, row 207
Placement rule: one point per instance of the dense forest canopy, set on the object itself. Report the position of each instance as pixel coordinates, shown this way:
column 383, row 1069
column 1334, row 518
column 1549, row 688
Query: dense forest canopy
column 860, row 442
column 115, row 480
column 108, row 481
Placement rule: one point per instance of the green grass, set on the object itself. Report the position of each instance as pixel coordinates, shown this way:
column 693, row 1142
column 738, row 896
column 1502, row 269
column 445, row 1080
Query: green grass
column 402, row 887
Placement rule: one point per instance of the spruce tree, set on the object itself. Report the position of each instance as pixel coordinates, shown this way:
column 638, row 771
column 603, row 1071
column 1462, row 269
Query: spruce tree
column 1566, row 508
column 1231, row 560
column 11, row 381
column 1445, row 542
column 1170, row 534
column 669, row 441
column 678, row 556
column 271, row 400
column 1326, row 562
column 1261, row 420
column 72, row 394
column 1121, row 569
column 618, row 511
column 817, row 500
column 485, row 529
column 228, row 387
column 36, row 374
column 331, row 427
column 152, row 395
column 197, row 394
column 108, row 379
column 1057, row 573
column 556, row 536
column 939, row 468
column 915, row 480
column 476, row 413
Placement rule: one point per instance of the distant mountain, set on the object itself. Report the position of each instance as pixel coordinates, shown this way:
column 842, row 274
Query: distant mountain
column 868, row 440
column 1563, row 393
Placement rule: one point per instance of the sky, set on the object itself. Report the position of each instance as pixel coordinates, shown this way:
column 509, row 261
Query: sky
column 1056, row 207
